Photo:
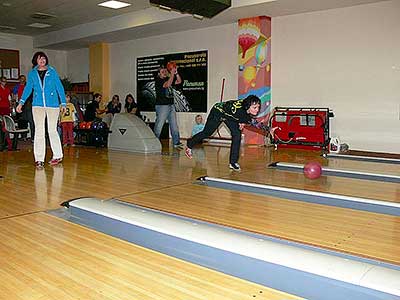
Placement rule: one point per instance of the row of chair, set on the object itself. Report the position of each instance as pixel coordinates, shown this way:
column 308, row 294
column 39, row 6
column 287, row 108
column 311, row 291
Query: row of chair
column 11, row 129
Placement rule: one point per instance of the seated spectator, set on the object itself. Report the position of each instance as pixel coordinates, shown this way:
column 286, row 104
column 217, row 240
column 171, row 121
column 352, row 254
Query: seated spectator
column 93, row 108
column 198, row 126
column 131, row 106
column 114, row 106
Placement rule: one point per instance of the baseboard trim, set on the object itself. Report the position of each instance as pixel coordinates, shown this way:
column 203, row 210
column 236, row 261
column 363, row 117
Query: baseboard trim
column 373, row 154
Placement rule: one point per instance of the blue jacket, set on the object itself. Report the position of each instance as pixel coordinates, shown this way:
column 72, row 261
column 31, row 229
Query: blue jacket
column 46, row 94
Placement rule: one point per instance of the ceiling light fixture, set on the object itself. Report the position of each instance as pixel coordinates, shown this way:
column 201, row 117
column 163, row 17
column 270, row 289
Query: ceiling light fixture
column 198, row 17
column 114, row 4
column 164, row 7
column 42, row 16
column 39, row 25
column 6, row 27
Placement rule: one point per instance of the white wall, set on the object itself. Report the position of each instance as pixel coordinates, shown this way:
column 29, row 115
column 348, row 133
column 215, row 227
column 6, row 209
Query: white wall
column 346, row 59
column 57, row 59
column 24, row 44
column 78, row 65
column 221, row 43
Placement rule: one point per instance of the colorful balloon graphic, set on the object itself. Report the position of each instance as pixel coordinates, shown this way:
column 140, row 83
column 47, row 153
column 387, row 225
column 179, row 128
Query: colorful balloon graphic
column 261, row 53
column 249, row 76
column 249, row 32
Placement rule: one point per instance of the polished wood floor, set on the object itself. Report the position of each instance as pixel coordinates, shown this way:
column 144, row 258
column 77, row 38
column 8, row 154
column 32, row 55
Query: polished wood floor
column 43, row 257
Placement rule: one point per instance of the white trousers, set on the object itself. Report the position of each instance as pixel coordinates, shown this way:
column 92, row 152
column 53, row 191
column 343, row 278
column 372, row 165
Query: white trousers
column 39, row 145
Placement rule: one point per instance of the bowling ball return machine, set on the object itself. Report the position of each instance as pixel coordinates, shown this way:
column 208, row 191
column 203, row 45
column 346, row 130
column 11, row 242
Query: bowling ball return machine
column 130, row 133
column 300, row 127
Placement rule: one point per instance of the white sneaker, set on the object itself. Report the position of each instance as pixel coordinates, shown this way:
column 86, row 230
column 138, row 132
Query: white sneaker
column 188, row 153
column 234, row 167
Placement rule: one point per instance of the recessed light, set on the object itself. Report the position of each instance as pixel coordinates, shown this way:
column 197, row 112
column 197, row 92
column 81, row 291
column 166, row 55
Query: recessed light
column 165, row 7
column 39, row 25
column 6, row 27
column 114, row 4
column 42, row 16
column 198, row 17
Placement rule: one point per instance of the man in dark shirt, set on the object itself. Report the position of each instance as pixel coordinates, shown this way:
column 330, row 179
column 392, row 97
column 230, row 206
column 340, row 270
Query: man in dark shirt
column 92, row 109
column 165, row 108
column 235, row 114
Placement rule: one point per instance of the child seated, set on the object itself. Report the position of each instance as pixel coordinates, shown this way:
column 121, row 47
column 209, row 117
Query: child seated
column 199, row 126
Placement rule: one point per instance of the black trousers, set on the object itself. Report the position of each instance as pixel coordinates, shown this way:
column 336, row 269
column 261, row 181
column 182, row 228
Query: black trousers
column 215, row 118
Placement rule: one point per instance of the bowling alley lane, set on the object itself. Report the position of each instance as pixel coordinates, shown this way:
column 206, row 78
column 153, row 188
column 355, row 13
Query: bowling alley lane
column 375, row 236
column 293, row 156
column 365, row 166
column 385, row 191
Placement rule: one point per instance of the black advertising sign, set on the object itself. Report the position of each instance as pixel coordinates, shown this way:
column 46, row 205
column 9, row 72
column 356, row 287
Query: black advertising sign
column 190, row 95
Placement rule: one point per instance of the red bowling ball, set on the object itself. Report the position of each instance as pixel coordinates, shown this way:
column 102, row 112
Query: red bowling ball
column 312, row 170
column 171, row 65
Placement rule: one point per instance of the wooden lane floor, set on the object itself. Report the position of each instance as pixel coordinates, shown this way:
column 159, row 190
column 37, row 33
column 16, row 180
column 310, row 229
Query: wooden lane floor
column 102, row 174
column 165, row 181
column 371, row 167
column 90, row 172
column 385, row 191
column 254, row 169
column 302, row 157
column 44, row 258
column 361, row 233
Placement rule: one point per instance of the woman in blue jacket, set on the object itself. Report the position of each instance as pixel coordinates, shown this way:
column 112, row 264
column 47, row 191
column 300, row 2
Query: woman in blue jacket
column 48, row 95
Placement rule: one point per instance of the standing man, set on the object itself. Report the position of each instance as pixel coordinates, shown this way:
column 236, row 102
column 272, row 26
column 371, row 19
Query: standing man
column 5, row 97
column 19, row 87
column 165, row 108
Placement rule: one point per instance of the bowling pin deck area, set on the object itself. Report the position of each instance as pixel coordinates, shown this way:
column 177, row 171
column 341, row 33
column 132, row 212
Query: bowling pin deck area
column 168, row 186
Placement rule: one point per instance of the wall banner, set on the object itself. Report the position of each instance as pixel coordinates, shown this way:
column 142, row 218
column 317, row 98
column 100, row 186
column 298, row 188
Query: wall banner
column 190, row 95
column 254, row 38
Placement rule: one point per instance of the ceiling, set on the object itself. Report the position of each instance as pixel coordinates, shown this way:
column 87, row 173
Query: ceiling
column 76, row 23
column 67, row 13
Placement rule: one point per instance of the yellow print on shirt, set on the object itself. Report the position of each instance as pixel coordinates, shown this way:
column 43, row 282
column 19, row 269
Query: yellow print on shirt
column 69, row 113
column 236, row 105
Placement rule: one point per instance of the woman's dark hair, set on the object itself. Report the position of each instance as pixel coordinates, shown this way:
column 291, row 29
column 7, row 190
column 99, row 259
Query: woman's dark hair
column 126, row 100
column 130, row 106
column 250, row 100
column 37, row 55
column 115, row 96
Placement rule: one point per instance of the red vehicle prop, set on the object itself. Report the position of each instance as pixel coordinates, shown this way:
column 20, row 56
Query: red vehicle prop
column 300, row 127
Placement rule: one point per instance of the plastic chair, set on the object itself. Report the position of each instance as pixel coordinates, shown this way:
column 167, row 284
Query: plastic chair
column 2, row 135
column 10, row 127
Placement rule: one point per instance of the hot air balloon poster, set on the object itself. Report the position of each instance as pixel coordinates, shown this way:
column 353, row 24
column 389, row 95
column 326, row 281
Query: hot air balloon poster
column 254, row 38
